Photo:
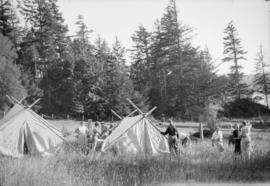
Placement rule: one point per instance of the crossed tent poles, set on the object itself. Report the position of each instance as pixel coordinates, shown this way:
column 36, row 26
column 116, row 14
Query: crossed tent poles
column 19, row 102
column 136, row 110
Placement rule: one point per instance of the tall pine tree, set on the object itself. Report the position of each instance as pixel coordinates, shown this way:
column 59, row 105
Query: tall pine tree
column 177, row 75
column 262, row 79
column 234, row 53
column 45, row 52
column 10, row 74
column 141, row 60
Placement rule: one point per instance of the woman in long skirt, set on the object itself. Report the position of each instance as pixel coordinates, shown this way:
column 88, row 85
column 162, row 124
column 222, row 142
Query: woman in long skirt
column 246, row 139
column 217, row 139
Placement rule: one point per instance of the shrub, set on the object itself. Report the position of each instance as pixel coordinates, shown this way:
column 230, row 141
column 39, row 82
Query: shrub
column 244, row 108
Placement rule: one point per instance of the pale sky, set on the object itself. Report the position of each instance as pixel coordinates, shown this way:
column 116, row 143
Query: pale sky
column 208, row 18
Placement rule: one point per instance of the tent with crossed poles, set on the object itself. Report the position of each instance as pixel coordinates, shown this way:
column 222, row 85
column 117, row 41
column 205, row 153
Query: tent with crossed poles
column 22, row 132
column 137, row 135
column 15, row 109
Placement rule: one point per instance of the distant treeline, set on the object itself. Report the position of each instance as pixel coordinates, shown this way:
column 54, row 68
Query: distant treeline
column 74, row 76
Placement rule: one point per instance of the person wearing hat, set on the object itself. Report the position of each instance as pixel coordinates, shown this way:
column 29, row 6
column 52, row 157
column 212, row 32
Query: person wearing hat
column 173, row 135
column 217, row 139
column 246, row 139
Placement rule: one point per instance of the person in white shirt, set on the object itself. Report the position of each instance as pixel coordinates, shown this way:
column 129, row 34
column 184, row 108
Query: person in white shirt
column 217, row 139
column 83, row 128
column 246, row 139
column 83, row 131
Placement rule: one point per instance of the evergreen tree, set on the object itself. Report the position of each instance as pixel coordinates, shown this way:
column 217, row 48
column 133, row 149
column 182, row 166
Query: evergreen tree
column 173, row 63
column 48, row 53
column 82, row 36
column 9, row 23
column 119, row 81
column 7, row 50
column 8, row 19
column 234, row 53
column 47, row 32
column 141, row 60
column 114, row 84
column 10, row 75
column 204, row 82
column 262, row 79
column 177, row 76
column 83, row 32
column 155, row 70
column 85, row 72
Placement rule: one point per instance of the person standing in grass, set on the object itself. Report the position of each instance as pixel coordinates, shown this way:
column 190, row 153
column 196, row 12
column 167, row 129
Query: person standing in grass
column 236, row 136
column 97, row 135
column 246, row 139
column 83, row 132
column 110, row 128
column 217, row 139
column 173, row 135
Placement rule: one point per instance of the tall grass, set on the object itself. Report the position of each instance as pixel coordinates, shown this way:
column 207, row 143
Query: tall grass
column 197, row 163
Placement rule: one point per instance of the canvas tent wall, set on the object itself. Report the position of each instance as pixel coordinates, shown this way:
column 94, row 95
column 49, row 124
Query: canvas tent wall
column 136, row 135
column 25, row 129
column 12, row 112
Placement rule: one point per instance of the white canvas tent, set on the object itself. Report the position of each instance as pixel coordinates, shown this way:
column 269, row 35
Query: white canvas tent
column 12, row 112
column 15, row 109
column 23, row 131
column 137, row 135
column 121, row 118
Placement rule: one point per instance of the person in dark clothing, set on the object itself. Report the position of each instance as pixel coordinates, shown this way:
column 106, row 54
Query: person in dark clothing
column 25, row 148
column 172, row 137
column 236, row 139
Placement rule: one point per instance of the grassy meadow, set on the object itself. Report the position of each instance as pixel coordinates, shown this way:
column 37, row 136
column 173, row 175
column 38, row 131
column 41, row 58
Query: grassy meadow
column 199, row 162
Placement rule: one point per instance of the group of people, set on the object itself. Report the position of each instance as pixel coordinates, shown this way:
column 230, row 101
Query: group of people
column 240, row 138
column 173, row 137
column 91, row 137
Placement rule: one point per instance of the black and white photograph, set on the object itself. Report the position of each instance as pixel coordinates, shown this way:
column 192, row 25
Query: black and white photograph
column 134, row 92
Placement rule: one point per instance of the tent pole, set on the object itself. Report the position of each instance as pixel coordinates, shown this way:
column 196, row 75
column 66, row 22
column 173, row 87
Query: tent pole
column 22, row 99
column 134, row 106
column 132, row 113
column 9, row 98
column 17, row 101
column 150, row 112
column 34, row 103
column 117, row 115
